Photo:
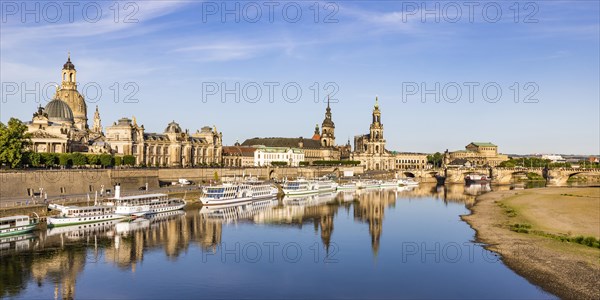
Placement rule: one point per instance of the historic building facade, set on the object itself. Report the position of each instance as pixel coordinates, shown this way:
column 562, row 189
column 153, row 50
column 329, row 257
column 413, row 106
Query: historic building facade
column 410, row 161
column 369, row 148
column 320, row 147
column 172, row 148
column 238, row 156
column 476, row 154
column 61, row 126
column 265, row 156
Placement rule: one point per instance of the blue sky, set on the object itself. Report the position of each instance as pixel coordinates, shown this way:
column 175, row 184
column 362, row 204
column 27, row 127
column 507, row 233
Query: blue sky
column 177, row 49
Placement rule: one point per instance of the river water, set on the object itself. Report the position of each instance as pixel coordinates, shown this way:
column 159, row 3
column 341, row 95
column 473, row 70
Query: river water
column 382, row 243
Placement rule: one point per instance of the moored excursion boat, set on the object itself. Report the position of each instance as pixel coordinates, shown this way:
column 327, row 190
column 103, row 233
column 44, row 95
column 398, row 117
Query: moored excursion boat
column 348, row 186
column 145, row 204
column 17, row 225
column 226, row 193
column 326, row 186
column 388, row 184
column 300, row 187
column 261, row 189
column 73, row 215
column 368, row 184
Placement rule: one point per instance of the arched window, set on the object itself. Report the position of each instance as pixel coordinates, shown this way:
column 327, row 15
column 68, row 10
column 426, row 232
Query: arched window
column 65, row 76
column 71, row 77
column 376, row 148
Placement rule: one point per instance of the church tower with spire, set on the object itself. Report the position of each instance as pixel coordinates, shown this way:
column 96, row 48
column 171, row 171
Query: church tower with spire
column 69, row 94
column 328, row 128
column 369, row 148
column 376, row 130
column 97, row 127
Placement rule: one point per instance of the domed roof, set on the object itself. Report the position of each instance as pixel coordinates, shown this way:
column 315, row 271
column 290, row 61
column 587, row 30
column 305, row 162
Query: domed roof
column 173, row 128
column 59, row 111
column 69, row 65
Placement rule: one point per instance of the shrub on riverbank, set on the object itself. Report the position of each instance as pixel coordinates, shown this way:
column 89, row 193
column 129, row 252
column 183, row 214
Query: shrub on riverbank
column 589, row 241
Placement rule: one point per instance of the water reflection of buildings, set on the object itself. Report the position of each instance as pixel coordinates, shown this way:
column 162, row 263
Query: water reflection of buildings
column 370, row 209
column 61, row 254
column 297, row 211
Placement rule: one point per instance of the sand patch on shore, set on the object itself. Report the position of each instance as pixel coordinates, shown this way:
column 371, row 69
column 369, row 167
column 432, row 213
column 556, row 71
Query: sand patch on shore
column 566, row 269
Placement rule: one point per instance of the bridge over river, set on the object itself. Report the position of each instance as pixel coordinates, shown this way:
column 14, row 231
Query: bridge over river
column 553, row 177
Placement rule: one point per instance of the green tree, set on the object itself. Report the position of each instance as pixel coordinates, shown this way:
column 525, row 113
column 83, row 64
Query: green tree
column 129, row 160
column 49, row 159
column 35, row 159
column 78, row 159
column 216, row 176
column 13, row 141
column 64, row 159
column 435, row 159
column 93, row 159
column 508, row 164
column 118, row 160
column 106, row 160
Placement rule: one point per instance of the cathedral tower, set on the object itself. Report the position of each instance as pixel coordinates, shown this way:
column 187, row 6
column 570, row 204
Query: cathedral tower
column 69, row 94
column 376, row 131
column 97, row 127
column 328, row 129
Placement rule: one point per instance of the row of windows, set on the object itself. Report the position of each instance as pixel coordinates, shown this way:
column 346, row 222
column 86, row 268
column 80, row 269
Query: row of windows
column 278, row 156
column 409, row 161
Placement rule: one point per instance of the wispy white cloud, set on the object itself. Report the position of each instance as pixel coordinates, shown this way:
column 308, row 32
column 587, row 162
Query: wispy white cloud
column 17, row 35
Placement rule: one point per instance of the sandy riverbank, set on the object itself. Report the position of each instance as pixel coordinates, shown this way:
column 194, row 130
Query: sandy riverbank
column 566, row 269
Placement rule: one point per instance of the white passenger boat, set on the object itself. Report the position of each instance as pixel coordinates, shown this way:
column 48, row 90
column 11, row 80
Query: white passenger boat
column 348, row 186
column 226, row 193
column 261, row 189
column 145, row 204
column 388, row 183
column 17, row 225
column 368, row 184
column 326, row 186
column 73, row 215
column 408, row 182
column 300, row 187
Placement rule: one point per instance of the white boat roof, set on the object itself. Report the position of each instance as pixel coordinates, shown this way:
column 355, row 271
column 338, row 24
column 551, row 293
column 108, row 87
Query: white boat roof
column 88, row 207
column 139, row 196
column 13, row 217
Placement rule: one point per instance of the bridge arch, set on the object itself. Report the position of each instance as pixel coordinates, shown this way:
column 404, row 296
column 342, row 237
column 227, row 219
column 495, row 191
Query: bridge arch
column 409, row 174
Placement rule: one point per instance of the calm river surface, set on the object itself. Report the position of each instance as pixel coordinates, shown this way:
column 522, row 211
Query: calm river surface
column 388, row 243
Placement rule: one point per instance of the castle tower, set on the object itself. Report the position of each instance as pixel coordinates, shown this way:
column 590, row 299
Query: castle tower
column 97, row 127
column 376, row 131
column 328, row 128
column 69, row 94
